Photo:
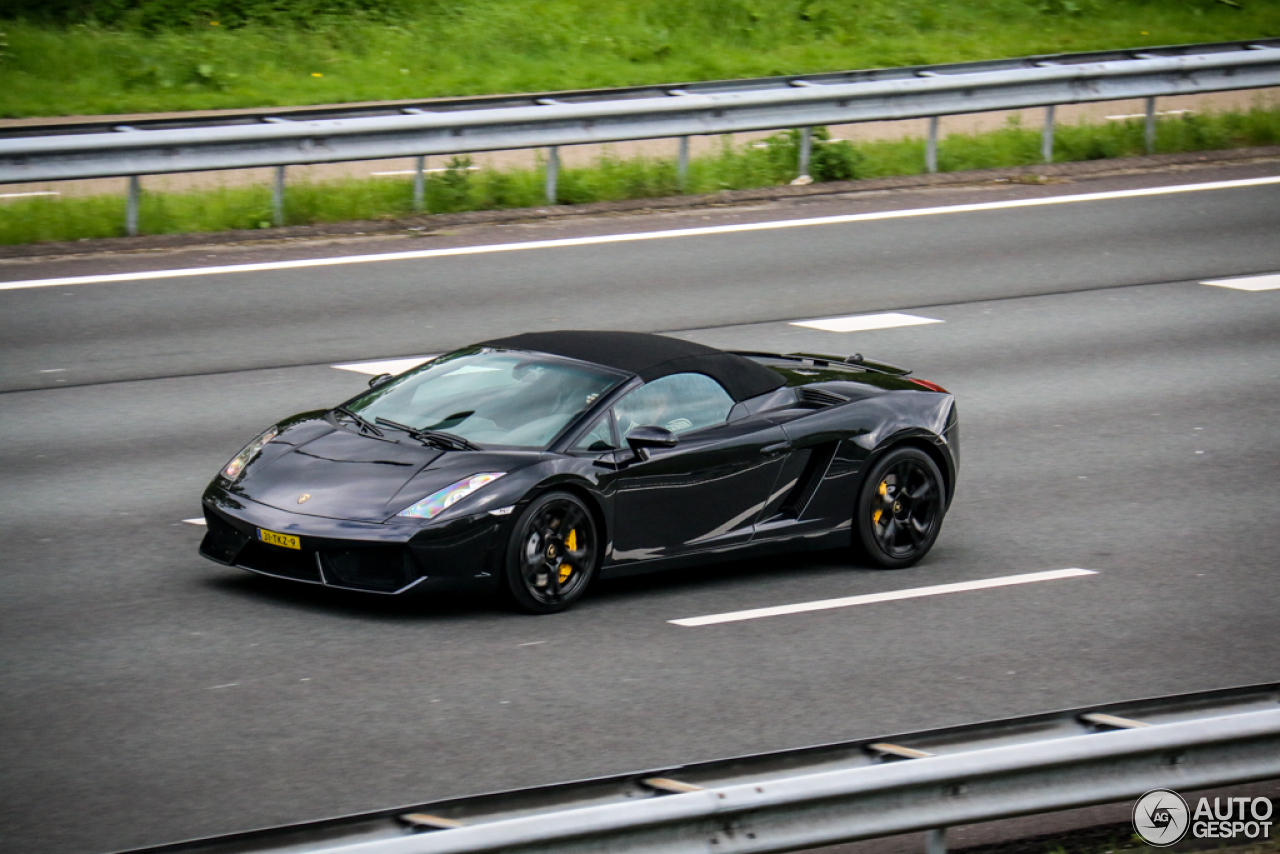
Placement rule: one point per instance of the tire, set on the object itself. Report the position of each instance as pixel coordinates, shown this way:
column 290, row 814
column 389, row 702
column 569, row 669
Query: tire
column 552, row 555
column 899, row 509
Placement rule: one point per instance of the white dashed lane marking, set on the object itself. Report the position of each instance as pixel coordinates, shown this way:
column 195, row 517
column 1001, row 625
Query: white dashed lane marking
column 887, row 596
column 1248, row 283
column 863, row 322
column 736, row 228
column 385, row 366
column 195, row 521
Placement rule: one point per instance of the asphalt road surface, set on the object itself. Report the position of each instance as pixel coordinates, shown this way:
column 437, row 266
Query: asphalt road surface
column 1118, row 416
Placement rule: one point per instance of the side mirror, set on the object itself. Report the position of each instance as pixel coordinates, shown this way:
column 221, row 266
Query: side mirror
column 642, row 438
column 380, row 380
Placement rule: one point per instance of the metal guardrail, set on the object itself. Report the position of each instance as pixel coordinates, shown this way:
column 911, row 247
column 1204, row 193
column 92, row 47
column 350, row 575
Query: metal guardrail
column 794, row 800
column 215, row 118
column 677, row 113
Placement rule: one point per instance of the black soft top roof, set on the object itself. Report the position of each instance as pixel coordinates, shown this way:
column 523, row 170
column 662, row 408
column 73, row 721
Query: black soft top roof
column 650, row 357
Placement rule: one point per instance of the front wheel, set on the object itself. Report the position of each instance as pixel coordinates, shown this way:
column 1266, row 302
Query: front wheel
column 899, row 509
column 552, row 554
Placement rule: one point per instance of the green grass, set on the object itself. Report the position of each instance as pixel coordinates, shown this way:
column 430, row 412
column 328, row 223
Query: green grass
column 434, row 48
column 610, row 178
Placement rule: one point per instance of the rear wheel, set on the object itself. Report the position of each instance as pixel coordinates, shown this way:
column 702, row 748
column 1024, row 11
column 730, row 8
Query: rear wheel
column 900, row 508
column 552, row 554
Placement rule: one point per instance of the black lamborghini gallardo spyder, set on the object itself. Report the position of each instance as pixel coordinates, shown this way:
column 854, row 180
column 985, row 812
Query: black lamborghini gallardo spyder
column 530, row 465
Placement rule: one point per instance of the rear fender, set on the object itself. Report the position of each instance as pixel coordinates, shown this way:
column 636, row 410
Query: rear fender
column 931, row 443
column 867, row 429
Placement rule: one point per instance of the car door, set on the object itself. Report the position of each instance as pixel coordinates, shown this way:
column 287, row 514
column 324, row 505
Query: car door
column 704, row 493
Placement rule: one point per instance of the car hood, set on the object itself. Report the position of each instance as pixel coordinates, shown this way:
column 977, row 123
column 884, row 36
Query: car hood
column 344, row 475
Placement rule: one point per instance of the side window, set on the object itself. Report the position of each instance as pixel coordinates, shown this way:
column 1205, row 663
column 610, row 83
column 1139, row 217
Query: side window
column 679, row 402
column 599, row 437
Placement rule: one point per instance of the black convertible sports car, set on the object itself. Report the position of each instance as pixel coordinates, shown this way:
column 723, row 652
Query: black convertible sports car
column 532, row 464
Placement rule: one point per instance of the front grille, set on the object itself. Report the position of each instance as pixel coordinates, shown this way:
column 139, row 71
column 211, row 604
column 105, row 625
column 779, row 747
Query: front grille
column 384, row 570
column 273, row 560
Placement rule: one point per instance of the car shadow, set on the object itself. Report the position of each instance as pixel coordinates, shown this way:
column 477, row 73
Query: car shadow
column 458, row 606
column 809, row 565
column 352, row 604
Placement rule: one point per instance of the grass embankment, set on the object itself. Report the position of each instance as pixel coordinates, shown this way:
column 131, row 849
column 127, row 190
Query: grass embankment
column 111, row 56
column 612, row 179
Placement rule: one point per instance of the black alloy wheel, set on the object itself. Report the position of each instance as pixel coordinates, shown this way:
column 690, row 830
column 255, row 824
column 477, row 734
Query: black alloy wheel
column 900, row 509
column 552, row 555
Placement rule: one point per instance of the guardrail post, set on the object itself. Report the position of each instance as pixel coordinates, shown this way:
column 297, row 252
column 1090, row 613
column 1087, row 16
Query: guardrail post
column 935, row 841
column 277, row 198
column 1046, row 139
column 553, row 172
column 131, row 206
column 419, row 182
column 806, row 148
column 931, row 150
column 1149, row 136
column 682, row 164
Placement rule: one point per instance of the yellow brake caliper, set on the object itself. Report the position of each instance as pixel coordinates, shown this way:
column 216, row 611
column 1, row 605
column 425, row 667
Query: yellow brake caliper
column 570, row 544
column 884, row 488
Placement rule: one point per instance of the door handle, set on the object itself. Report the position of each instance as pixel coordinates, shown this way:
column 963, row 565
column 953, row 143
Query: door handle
column 775, row 449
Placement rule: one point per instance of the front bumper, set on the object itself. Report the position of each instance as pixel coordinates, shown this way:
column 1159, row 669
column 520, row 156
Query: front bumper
column 459, row 554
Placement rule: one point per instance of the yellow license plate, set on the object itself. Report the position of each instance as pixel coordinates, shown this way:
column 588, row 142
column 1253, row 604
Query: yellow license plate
column 283, row 540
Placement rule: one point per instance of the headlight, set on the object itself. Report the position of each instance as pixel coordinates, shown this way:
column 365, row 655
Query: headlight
column 435, row 503
column 242, row 459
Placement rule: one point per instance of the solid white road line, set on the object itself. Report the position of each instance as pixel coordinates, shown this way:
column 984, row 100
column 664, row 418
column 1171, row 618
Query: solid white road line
column 1250, row 283
column 386, row 366
column 195, row 521
column 889, row 596
column 863, row 322
column 625, row 238
column 25, row 195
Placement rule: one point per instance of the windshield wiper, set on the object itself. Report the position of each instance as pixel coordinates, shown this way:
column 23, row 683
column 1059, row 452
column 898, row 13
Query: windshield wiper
column 439, row 438
column 361, row 422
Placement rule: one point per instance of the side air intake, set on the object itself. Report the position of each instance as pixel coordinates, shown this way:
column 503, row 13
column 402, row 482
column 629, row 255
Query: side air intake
column 819, row 460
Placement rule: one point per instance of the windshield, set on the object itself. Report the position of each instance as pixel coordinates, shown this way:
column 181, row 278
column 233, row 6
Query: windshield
column 490, row 397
